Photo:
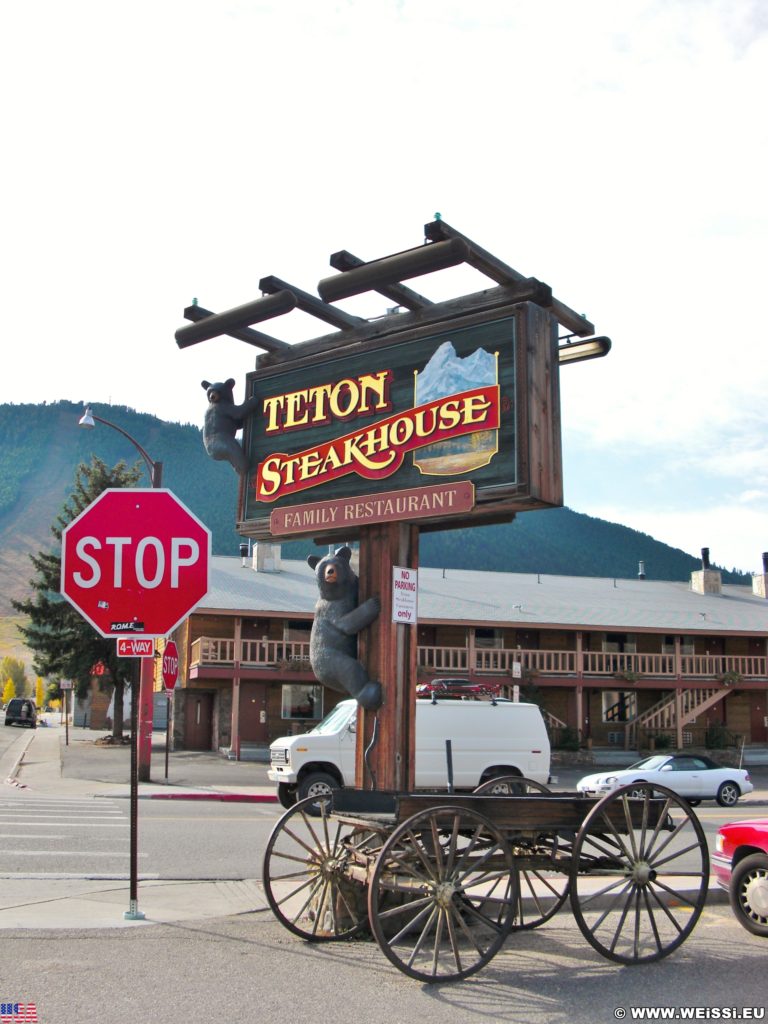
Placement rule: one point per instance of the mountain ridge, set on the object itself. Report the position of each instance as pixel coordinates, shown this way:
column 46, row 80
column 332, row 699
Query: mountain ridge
column 41, row 446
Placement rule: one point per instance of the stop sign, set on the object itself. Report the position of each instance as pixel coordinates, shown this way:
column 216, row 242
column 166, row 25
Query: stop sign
column 170, row 665
column 135, row 562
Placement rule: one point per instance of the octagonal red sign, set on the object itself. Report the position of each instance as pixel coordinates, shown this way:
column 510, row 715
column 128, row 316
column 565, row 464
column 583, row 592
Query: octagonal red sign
column 170, row 665
column 135, row 562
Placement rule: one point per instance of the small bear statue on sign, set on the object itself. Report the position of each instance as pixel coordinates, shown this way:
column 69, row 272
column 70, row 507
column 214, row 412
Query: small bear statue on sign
column 223, row 419
column 338, row 620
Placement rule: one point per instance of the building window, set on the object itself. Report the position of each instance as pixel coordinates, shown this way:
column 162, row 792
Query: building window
column 302, row 701
column 297, row 630
column 487, row 637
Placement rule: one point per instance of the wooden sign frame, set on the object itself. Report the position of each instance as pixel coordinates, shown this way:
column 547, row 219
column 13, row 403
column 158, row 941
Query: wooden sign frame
column 526, row 471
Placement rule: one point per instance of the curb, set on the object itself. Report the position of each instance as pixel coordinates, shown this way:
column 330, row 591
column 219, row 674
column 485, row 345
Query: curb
column 241, row 798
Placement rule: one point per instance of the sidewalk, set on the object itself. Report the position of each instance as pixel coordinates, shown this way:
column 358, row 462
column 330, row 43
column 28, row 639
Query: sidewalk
column 83, row 768
column 40, row 763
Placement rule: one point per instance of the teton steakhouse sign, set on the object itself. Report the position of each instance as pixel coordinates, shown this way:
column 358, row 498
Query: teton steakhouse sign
column 411, row 427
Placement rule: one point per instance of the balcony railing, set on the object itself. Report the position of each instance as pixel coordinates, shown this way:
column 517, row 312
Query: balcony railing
column 216, row 652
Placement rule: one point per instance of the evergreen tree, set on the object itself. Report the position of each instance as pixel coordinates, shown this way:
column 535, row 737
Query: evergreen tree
column 65, row 646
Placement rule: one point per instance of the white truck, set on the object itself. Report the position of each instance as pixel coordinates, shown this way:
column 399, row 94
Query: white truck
column 488, row 739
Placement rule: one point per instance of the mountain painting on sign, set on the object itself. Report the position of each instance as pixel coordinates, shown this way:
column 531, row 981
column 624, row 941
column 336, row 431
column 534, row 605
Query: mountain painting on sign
column 447, row 374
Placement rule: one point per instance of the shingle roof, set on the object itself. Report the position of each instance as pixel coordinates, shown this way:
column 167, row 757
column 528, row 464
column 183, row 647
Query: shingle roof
column 510, row 599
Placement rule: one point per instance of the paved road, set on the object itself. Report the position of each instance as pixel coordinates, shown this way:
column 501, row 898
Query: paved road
column 247, row 968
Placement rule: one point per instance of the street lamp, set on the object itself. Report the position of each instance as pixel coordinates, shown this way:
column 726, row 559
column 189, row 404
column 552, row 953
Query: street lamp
column 155, row 469
column 147, row 675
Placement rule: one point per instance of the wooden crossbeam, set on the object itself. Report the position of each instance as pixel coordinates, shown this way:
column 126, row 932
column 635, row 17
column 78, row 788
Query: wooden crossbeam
column 438, row 231
column 392, row 269
column 236, row 322
column 398, row 293
column 311, row 304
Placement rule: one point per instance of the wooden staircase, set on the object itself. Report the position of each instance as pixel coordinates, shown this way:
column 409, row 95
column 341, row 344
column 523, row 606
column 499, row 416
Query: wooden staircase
column 662, row 715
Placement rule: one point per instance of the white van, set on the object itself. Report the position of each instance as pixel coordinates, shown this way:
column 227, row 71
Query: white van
column 488, row 739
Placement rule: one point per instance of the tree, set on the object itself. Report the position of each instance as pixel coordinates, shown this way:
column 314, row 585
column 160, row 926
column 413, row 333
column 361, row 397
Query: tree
column 12, row 668
column 39, row 693
column 65, row 646
column 9, row 691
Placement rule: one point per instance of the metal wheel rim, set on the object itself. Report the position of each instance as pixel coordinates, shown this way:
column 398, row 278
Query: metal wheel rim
column 303, row 873
column 755, row 880
column 729, row 795
column 637, row 911
column 443, row 894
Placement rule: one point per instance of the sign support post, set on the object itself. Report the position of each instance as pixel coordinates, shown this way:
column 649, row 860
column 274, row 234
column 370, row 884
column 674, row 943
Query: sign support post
column 389, row 654
column 133, row 913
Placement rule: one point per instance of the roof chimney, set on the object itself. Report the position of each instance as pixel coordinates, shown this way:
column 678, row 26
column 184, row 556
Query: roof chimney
column 760, row 580
column 641, row 570
column 267, row 557
column 706, row 580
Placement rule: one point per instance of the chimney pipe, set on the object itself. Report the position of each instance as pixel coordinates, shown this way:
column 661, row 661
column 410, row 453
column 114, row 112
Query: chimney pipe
column 765, row 561
column 705, row 558
column 641, row 570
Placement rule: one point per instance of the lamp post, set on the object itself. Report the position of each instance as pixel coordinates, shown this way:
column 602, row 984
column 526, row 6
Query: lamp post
column 147, row 675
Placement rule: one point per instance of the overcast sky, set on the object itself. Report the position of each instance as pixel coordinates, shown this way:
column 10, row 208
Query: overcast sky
column 164, row 150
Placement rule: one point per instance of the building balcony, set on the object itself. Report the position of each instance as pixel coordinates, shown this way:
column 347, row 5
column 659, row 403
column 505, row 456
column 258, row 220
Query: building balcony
column 215, row 652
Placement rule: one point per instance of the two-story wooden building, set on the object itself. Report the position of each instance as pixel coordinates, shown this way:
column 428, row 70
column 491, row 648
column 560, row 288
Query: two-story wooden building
column 630, row 662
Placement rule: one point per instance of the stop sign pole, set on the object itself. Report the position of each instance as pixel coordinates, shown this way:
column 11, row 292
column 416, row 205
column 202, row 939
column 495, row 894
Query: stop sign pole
column 170, row 676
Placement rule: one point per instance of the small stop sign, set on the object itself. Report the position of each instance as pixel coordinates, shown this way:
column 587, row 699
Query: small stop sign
column 170, row 665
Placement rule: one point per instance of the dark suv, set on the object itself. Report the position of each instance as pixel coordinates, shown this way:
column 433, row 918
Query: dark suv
column 21, row 711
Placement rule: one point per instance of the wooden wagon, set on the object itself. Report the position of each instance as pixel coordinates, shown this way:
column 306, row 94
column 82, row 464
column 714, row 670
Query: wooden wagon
column 440, row 880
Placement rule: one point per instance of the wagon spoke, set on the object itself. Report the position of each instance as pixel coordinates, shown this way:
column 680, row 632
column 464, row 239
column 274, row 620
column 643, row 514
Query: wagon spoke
column 619, row 841
column 587, row 898
column 664, row 813
column 438, row 940
column 452, row 938
column 391, row 912
column 320, row 911
column 674, row 856
column 468, row 933
column 663, row 906
column 628, row 822
column 673, row 892
column 652, row 919
column 471, row 909
column 424, row 932
column 637, row 923
column 670, row 838
column 312, row 851
column 299, row 888
column 439, row 865
column 623, row 916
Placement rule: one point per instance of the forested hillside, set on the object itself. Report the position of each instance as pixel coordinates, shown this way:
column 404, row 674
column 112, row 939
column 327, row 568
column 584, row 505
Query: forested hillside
column 42, row 445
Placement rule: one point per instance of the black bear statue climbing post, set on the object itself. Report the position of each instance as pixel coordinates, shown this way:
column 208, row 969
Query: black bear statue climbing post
column 338, row 620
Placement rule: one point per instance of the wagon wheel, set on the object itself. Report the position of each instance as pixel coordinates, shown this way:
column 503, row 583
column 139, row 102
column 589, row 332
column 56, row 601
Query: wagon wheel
column 443, row 894
column 543, row 889
column 510, row 785
column 305, row 879
column 639, row 873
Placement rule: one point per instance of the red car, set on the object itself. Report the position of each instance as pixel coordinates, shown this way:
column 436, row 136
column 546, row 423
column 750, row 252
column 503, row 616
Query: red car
column 740, row 865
